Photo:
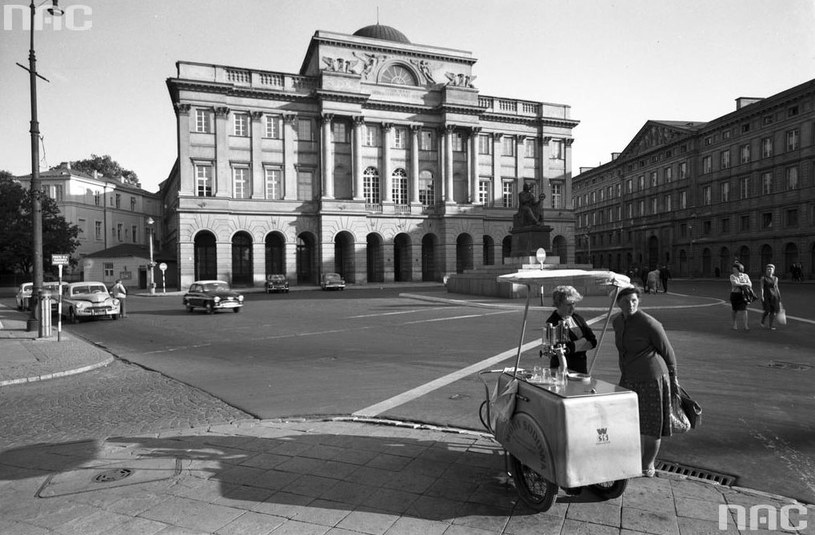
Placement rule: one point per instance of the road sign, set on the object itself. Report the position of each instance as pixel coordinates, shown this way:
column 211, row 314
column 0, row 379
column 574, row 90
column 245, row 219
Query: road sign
column 59, row 259
column 162, row 266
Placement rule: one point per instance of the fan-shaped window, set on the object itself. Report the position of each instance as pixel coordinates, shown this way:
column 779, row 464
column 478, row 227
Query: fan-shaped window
column 397, row 74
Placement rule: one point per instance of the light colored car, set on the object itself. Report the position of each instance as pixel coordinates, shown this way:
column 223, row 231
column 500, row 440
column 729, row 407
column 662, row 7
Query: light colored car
column 88, row 300
column 24, row 295
column 332, row 281
column 212, row 295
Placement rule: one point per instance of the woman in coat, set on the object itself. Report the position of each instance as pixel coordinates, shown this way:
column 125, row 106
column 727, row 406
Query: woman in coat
column 581, row 337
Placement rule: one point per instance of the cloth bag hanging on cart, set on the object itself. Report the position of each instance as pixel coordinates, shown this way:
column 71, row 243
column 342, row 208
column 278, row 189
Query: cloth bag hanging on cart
column 502, row 403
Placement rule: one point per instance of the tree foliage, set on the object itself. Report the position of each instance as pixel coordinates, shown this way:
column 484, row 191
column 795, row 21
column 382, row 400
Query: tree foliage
column 106, row 166
column 58, row 236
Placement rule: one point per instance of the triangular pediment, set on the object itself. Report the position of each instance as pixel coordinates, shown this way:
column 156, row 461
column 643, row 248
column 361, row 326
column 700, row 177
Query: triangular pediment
column 656, row 134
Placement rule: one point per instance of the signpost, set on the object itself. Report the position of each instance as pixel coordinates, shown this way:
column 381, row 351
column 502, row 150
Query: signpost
column 59, row 260
column 163, row 268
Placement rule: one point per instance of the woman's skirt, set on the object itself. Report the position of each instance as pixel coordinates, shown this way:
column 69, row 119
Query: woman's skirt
column 737, row 301
column 654, row 399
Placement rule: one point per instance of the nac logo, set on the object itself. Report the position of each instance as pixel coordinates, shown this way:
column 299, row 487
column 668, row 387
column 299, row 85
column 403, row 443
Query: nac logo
column 75, row 18
column 602, row 435
column 764, row 517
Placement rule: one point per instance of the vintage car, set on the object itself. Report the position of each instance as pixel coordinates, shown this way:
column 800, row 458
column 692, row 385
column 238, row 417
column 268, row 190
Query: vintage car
column 277, row 283
column 212, row 295
column 24, row 295
column 332, row 281
column 88, row 300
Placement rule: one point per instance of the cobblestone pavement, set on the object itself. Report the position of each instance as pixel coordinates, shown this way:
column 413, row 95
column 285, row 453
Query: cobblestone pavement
column 120, row 399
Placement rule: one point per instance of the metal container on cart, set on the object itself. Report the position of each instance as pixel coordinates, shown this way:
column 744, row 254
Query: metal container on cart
column 579, row 434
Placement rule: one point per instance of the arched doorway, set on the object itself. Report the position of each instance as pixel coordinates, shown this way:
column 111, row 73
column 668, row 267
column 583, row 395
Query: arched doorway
column 306, row 258
column 344, row 256
column 242, row 259
column 206, row 258
column 790, row 257
column 724, row 261
column 559, row 249
column 488, row 251
column 275, row 253
column 683, row 263
column 766, row 253
column 653, row 252
column 375, row 256
column 464, row 253
column 429, row 272
column 402, row 258
column 506, row 248
column 707, row 262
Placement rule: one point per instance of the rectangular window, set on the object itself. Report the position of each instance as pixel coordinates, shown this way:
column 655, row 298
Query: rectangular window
column 484, row 188
column 726, row 134
column 458, row 142
column 118, row 200
column 240, row 123
column 274, row 185
column 767, row 220
column 240, row 182
column 399, row 189
column 725, row 225
column 654, row 205
column 744, row 223
column 668, row 203
column 630, row 210
column 641, row 181
column 203, row 180
column 744, row 154
column 271, row 126
column 203, row 121
column 59, row 192
column 305, row 129
column 707, row 197
column 557, row 196
column 706, row 227
column 426, row 141
column 791, row 178
column 683, row 200
column 399, row 137
column 508, row 146
column 669, row 174
column 683, row 170
column 641, row 207
column 792, row 140
column 484, row 144
column 767, row 147
column 371, row 135
column 766, row 183
column 97, row 228
column 133, row 233
column 108, row 270
column 427, row 191
column 791, row 217
column 724, row 191
column 744, row 187
column 132, row 204
column 119, row 231
column 653, row 179
column 304, row 188
column 340, row 132
column 97, row 199
column 707, row 164
column 530, row 150
column 508, row 194
column 629, row 186
column 556, row 149
column 724, row 159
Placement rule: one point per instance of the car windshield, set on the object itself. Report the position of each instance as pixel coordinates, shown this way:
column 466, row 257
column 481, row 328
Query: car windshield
column 26, row 287
column 277, row 278
column 332, row 277
column 89, row 289
column 215, row 286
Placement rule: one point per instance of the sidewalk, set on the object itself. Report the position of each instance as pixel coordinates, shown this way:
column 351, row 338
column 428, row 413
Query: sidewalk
column 334, row 476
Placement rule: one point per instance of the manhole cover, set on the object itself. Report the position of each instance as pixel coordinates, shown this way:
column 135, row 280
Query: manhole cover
column 112, row 475
column 780, row 364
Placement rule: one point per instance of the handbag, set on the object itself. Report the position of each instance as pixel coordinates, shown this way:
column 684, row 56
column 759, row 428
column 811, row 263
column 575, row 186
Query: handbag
column 781, row 316
column 679, row 420
column 692, row 410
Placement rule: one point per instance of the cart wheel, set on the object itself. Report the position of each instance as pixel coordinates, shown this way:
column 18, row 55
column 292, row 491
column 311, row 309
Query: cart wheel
column 610, row 489
column 534, row 490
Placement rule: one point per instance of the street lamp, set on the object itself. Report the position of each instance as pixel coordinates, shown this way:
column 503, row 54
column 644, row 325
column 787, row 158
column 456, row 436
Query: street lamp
column 36, row 186
column 151, row 265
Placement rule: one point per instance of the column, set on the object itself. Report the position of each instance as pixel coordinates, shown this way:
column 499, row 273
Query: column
column 387, row 130
column 186, row 175
column 567, row 171
column 257, row 190
column 546, row 187
column 223, row 174
column 289, row 170
column 414, row 162
column 519, row 161
column 472, row 179
column 449, row 196
column 359, row 123
column 497, row 186
column 328, row 156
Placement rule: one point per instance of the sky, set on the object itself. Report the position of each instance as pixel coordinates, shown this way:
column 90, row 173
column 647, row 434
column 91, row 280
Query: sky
column 617, row 63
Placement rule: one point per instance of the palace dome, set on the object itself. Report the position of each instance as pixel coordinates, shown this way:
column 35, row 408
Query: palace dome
column 386, row 33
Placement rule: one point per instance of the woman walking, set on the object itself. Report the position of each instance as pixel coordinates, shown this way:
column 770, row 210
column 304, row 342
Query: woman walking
column 648, row 367
column 770, row 296
column 741, row 287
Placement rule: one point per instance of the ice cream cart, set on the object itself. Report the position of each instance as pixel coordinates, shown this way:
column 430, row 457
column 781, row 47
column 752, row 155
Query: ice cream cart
column 559, row 428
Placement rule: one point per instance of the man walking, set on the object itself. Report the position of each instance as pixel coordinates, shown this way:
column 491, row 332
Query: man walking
column 664, row 275
column 120, row 293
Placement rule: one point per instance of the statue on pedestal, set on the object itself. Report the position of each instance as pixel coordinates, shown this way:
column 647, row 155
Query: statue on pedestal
column 530, row 208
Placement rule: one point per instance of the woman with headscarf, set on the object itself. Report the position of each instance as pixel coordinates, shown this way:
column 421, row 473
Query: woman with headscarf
column 648, row 367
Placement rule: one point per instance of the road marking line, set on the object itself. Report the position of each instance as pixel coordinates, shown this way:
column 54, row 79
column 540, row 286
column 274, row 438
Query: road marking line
column 456, row 317
column 403, row 312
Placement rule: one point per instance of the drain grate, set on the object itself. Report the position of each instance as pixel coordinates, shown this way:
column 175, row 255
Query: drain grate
column 109, row 476
column 699, row 473
column 780, row 364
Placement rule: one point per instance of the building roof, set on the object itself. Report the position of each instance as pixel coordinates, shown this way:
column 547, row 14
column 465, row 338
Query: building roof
column 385, row 33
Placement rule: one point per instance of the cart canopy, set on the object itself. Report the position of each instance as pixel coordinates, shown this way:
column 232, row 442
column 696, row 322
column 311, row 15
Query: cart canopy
column 544, row 276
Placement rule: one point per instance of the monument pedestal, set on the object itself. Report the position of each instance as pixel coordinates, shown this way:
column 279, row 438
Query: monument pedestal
column 527, row 240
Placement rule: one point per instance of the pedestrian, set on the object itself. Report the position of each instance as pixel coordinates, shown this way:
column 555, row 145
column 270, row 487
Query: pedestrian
column 770, row 296
column 120, row 292
column 648, row 366
column 652, row 281
column 741, row 294
column 581, row 337
column 664, row 276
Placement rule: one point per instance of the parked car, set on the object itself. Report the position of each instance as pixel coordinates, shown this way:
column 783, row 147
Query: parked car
column 88, row 300
column 212, row 295
column 23, row 296
column 332, row 281
column 277, row 283
column 55, row 288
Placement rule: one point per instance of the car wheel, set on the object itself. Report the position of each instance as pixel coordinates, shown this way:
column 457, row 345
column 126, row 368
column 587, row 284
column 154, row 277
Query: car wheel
column 236, row 310
column 210, row 308
column 114, row 316
column 189, row 308
column 72, row 317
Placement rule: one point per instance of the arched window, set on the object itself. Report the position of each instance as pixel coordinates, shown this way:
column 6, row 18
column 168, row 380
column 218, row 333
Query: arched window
column 370, row 186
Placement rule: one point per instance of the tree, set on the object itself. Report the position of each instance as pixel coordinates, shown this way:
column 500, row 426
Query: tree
column 58, row 236
column 106, row 166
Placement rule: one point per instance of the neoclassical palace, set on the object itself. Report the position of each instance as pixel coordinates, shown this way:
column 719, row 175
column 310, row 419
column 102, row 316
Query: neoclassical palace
column 379, row 160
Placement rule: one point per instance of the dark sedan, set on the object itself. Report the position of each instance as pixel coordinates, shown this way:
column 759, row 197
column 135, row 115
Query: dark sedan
column 277, row 283
column 212, row 295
